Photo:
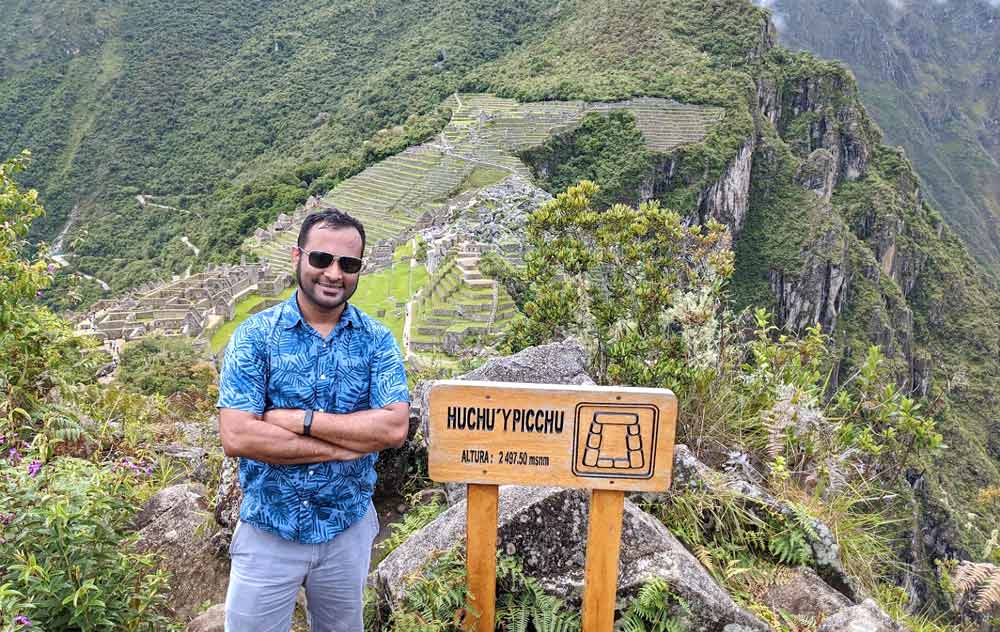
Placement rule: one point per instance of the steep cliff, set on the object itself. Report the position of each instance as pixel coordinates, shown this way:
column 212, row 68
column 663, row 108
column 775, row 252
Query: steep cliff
column 928, row 73
column 839, row 232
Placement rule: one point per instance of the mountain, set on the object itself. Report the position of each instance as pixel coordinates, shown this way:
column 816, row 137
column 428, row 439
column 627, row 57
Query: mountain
column 229, row 114
column 929, row 73
column 220, row 109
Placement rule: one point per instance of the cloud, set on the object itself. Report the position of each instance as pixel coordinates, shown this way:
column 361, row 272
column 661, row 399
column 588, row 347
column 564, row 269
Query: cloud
column 779, row 18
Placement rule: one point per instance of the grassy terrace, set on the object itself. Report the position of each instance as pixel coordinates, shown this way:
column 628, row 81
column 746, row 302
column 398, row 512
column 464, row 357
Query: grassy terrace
column 220, row 337
column 482, row 140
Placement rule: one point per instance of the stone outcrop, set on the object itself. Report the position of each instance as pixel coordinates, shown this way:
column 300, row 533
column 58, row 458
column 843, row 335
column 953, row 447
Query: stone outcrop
column 212, row 620
column 816, row 292
column 866, row 617
column 546, row 529
column 691, row 474
column 170, row 525
column 728, row 200
column 804, row 594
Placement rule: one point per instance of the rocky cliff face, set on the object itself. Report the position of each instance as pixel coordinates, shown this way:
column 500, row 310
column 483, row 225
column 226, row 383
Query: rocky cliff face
column 928, row 74
column 835, row 229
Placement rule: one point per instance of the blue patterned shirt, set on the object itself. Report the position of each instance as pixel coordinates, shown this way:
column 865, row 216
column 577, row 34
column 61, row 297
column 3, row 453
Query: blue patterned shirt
column 275, row 359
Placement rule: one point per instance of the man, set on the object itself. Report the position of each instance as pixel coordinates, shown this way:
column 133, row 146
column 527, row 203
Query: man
column 310, row 391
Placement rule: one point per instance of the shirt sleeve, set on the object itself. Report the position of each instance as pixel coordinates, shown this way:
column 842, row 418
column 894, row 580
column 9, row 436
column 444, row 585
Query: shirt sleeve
column 388, row 380
column 243, row 381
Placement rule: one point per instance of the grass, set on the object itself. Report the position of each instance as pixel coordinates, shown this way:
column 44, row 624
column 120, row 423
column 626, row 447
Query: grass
column 221, row 335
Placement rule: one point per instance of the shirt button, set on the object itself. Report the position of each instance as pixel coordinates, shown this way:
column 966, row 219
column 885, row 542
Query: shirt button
column 310, row 472
column 305, row 503
column 322, row 377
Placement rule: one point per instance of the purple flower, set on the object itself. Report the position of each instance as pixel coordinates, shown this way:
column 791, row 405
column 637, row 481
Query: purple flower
column 6, row 519
column 51, row 268
column 22, row 620
column 34, row 467
column 14, row 456
column 2, row 439
column 39, row 294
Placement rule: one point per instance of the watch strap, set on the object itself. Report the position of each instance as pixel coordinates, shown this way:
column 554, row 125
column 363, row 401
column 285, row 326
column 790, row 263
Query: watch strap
column 307, row 423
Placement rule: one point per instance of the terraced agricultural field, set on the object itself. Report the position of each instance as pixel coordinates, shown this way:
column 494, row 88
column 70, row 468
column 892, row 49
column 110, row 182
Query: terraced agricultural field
column 483, row 137
column 478, row 147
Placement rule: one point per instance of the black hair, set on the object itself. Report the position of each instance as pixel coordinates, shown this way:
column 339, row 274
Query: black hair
column 334, row 218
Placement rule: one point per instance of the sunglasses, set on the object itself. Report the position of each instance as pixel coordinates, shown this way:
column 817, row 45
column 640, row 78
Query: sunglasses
column 320, row 259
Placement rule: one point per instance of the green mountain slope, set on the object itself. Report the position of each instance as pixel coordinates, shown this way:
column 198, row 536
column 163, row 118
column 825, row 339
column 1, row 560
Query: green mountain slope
column 236, row 112
column 214, row 104
column 928, row 74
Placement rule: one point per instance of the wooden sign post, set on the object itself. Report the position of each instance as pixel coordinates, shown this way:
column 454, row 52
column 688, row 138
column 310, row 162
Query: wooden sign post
column 607, row 439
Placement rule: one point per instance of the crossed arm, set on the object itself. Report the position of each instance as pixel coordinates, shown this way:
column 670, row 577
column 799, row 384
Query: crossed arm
column 275, row 438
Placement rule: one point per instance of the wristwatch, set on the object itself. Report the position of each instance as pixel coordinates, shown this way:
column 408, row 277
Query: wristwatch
column 307, row 423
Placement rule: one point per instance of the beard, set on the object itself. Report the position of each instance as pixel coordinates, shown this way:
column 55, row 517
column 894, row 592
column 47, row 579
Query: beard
column 325, row 296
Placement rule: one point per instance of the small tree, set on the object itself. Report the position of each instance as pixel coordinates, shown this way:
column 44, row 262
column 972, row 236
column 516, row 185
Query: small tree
column 637, row 284
column 37, row 349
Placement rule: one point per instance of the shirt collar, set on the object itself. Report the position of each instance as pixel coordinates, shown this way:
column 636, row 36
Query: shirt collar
column 291, row 315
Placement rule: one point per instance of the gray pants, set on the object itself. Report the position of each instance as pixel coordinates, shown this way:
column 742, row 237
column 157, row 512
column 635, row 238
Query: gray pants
column 267, row 571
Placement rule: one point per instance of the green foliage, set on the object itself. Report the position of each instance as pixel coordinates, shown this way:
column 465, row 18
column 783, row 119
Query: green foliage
column 68, row 557
column 416, row 518
column 637, row 284
column 68, row 563
column 155, row 101
column 650, row 612
column 39, row 351
column 522, row 603
column 608, row 150
column 435, row 601
column 165, row 365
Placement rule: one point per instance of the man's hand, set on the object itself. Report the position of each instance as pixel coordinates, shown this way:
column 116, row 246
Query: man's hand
column 362, row 431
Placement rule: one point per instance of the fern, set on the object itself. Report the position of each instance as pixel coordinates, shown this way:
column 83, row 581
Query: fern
column 417, row 518
column 982, row 580
column 790, row 547
column 650, row 611
column 526, row 602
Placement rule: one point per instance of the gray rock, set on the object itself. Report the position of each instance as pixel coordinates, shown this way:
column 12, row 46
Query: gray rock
column 806, row 595
column 546, row 528
column 689, row 473
column 867, row 617
column 212, row 620
column 728, row 200
column 171, row 525
column 228, row 495
column 817, row 173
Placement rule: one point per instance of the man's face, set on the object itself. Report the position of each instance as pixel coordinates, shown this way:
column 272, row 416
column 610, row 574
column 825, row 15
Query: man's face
column 330, row 287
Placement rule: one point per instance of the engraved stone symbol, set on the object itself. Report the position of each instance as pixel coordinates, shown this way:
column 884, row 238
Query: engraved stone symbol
column 612, row 431
column 615, row 440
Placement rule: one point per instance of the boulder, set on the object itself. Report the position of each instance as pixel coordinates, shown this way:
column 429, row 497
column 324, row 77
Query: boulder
column 170, row 525
column 804, row 594
column 867, row 617
column 212, row 620
column 545, row 528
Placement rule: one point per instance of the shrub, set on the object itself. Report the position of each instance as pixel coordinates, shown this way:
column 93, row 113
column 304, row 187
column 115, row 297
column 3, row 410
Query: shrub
column 69, row 563
column 165, row 365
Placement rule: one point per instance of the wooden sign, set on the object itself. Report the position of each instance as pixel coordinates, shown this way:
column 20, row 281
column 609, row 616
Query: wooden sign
column 610, row 440
column 541, row 434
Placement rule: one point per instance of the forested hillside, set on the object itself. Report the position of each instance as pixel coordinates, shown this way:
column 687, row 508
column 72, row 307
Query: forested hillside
column 228, row 110
column 929, row 75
